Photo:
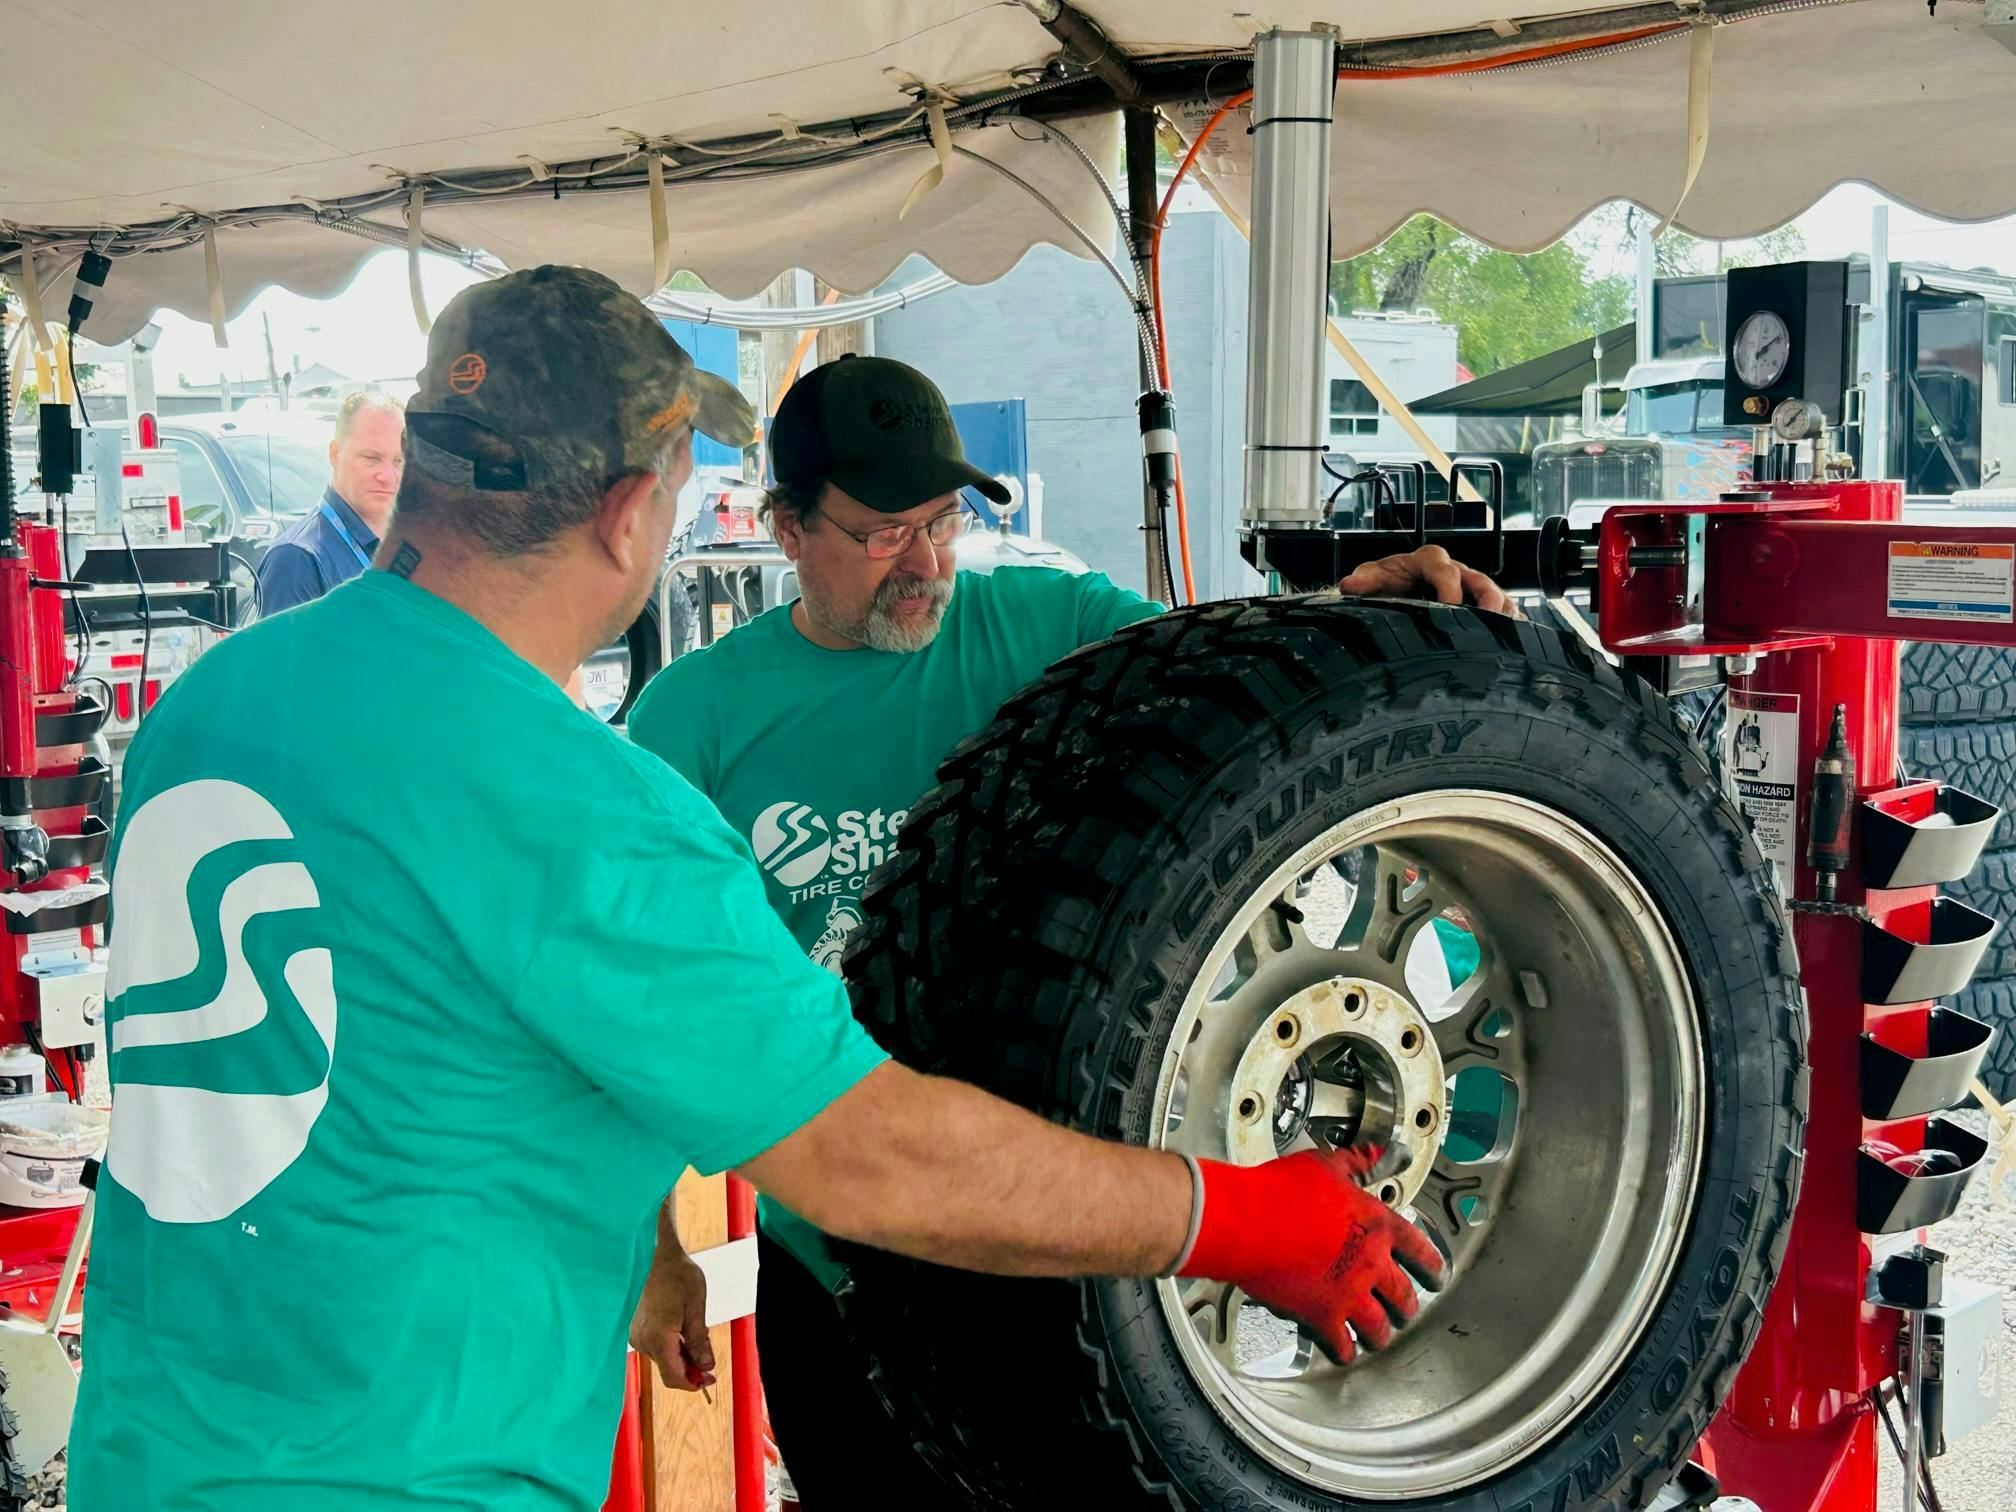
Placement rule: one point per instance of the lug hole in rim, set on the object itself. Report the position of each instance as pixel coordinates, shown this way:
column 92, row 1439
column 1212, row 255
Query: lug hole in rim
column 1287, row 1030
column 1424, row 1119
column 1410, row 1040
column 1249, row 1108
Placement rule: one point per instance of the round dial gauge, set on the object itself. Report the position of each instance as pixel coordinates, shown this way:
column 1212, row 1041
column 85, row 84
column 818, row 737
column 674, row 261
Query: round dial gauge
column 1763, row 349
column 1796, row 420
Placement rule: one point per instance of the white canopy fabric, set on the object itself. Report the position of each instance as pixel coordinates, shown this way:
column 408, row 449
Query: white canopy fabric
column 159, row 119
column 1921, row 106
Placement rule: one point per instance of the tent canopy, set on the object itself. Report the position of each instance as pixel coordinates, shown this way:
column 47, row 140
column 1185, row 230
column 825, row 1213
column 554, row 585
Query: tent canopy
column 296, row 137
column 1550, row 384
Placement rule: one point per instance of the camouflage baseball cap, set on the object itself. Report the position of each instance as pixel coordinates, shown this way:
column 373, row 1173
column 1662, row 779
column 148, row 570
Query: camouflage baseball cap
column 553, row 374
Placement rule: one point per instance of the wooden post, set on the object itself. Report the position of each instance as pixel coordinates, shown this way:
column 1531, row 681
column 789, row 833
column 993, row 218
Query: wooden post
column 688, row 1456
column 836, row 341
column 778, row 346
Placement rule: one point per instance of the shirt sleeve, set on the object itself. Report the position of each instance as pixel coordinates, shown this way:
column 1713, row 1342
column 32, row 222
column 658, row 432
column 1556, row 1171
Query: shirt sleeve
column 674, row 989
column 668, row 717
column 1104, row 607
column 288, row 576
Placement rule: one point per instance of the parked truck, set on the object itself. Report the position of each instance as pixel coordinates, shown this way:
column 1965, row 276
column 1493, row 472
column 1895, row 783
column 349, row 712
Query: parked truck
column 1933, row 403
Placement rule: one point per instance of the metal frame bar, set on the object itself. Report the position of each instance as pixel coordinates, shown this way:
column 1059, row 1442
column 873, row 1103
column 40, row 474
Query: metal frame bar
column 694, row 561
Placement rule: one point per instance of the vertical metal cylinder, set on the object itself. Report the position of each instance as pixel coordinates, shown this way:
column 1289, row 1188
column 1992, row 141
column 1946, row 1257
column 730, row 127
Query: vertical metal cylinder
column 1294, row 78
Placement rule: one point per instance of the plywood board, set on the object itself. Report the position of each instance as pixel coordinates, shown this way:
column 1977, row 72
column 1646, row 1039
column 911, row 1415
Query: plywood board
column 688, row 1443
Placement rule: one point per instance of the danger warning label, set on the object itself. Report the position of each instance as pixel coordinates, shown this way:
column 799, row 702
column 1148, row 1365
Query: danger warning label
column 1760, row 739
column 1952, row 580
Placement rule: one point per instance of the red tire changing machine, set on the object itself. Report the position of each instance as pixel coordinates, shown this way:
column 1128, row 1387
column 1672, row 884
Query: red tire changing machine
column 1806, row 589
column 50, row 991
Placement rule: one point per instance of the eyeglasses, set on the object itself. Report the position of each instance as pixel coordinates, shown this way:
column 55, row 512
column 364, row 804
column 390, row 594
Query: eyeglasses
column 894, row 540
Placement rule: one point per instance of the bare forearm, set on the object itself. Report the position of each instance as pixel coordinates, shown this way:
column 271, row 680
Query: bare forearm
column 668, row 1229
column 942, row 1171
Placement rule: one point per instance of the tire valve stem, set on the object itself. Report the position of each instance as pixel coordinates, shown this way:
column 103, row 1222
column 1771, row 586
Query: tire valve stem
column 1827, row 838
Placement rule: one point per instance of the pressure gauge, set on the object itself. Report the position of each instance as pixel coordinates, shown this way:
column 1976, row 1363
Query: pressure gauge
column 1762, row 349
column 1797, row 420
column 1787, row 336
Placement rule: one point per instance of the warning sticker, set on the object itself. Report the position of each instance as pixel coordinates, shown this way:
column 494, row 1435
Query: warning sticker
column 1952, row 580
column 1760, row 739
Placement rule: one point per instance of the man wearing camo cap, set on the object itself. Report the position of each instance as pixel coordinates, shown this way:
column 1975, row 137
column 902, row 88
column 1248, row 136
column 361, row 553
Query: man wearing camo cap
column 426, row 989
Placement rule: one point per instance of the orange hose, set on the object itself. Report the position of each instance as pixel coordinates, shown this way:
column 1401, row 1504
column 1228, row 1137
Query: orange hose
column 1162, row 331
column 1438, row 70
column 1506, row 60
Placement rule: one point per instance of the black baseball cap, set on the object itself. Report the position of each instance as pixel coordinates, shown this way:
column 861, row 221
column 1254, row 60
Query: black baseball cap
column 876, row 429
column 551, row 375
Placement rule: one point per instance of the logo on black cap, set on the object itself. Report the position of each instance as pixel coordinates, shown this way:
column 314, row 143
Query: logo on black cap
column 901, row 414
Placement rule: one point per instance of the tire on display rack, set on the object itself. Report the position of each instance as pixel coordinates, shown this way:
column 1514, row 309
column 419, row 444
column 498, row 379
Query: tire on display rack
column 1993, row 1001
column 1991, row 888
column 1959, row 711
column 13, row 1480
column 1979, row 758
column 1957, row 684
column 1121, row 907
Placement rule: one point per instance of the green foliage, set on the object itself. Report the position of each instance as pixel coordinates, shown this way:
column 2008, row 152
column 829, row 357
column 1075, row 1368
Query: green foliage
column 1506, row 308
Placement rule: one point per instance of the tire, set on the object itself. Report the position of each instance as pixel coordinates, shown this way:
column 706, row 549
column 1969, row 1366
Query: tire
column 13, row 1480
column 1042, row 922
column 681, row 616
column 1977, row 758
column 1957, row 684
column 1991, row 888
column 1993, row 1001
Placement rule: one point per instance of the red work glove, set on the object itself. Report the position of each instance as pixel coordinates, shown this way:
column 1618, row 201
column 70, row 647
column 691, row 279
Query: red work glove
column 1299, row 1235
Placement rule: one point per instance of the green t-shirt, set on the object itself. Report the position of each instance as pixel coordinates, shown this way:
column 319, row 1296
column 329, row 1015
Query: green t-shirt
column 425, row 988
column 816, row 756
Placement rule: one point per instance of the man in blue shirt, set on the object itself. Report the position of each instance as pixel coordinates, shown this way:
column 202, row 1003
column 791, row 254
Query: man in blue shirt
column 333, row 542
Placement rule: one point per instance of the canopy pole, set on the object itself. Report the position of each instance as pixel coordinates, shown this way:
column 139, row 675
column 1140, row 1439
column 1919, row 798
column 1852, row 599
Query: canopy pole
column 1142, row 204
column 1648, row 291
column 1294, row 78
column 1875, row 359
column 1381, row 391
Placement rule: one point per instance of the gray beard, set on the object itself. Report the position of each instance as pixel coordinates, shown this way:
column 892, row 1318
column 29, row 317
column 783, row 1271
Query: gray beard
column 878, row 628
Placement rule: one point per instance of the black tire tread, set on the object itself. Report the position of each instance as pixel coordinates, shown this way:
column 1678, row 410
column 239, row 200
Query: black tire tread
column 1991, row 888
column 1993, row 1001
column 13, row 1478
column 1125, row 718
column 1944, row 685
column 1977, row 758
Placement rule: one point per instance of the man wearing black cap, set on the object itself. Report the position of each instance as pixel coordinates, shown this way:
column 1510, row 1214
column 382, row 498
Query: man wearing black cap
column 425, row 990
column 815, row 727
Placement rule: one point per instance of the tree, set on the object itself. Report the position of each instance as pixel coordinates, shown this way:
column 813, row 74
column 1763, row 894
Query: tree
column 1678, row 254
column 1506, row 308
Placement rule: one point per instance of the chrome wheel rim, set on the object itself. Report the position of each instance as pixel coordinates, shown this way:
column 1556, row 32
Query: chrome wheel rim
column 1550, row 1103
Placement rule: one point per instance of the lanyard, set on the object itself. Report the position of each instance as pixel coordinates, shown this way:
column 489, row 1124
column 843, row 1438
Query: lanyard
column 329, row 514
